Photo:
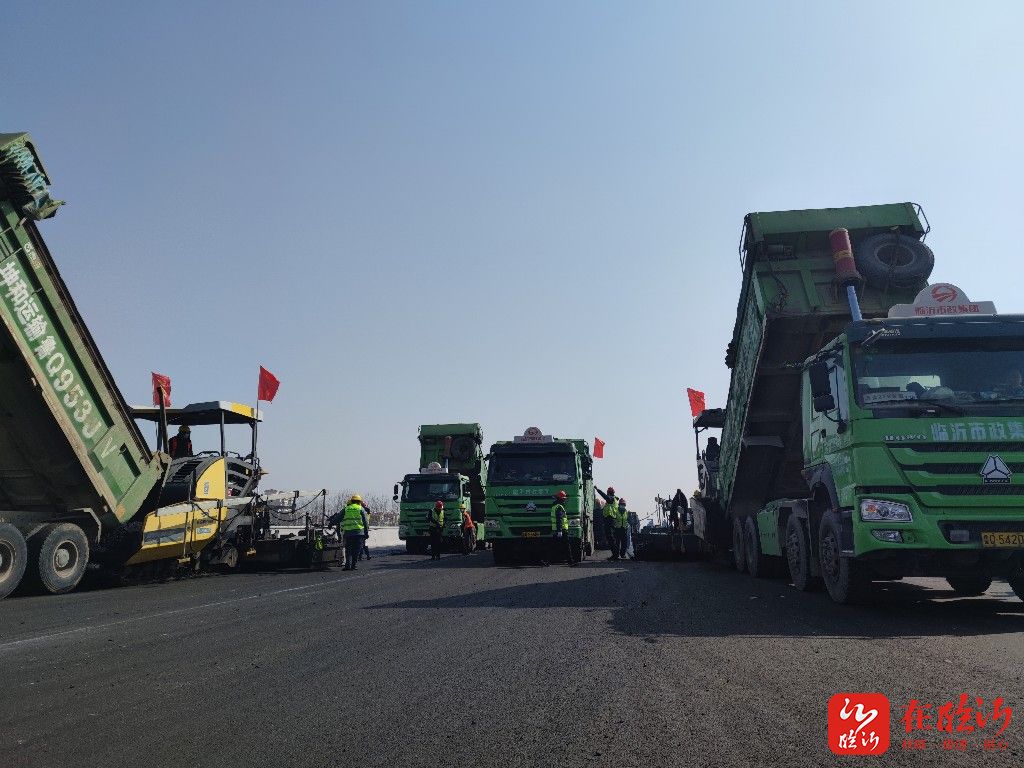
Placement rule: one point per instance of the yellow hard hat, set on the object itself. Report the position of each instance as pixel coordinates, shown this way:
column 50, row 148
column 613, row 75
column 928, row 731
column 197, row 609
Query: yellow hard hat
column 356, row 497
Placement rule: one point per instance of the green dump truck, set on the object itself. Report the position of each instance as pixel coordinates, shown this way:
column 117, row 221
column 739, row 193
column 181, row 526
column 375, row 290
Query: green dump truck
column 875, row 423
column 78, row 483
column 523, row 476
column 451, row 470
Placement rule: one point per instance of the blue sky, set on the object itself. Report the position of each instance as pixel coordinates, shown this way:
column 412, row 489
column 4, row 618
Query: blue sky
column 520, row 213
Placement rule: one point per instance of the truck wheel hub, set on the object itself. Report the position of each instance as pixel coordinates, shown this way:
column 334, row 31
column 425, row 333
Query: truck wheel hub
column 65, row 556
column 6, row 557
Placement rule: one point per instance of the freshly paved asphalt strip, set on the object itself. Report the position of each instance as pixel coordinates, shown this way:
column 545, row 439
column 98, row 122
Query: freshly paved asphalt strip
column 461, row 663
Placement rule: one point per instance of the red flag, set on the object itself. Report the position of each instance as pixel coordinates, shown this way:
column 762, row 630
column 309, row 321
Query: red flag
column 161, row 385
column 696, row 402
column 268, row 385
column 598, row 448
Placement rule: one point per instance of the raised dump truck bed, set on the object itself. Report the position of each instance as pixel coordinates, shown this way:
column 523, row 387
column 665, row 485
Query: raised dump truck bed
column 789, row 307
column 67, row 439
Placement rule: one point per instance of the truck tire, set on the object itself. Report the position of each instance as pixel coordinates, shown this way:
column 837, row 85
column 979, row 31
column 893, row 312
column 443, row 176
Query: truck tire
column 969, row 586
column 62, row 553
column 13, row 558
column 501, row 554
column 892, row 260
column 757, row 565
column 462, row 448
column 739, row 556
column 414, row 547
column 1017, row 585
column 798, row 555
column 844, row 577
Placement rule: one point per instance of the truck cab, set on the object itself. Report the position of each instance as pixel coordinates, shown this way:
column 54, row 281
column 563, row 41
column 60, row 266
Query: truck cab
column 914, row 429
column 523, row 476
column 417, row 495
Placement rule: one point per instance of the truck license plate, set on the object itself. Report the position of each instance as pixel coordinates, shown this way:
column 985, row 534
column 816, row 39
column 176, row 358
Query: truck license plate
column 1004, row 540
column 536, row 534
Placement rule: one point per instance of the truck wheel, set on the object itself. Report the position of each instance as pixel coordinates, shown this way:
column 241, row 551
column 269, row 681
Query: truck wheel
column 843, row 576
column 1017, row 585
column 798, row 555
column 970, row 586
column 757, row 565
column 576, row 550
column 13, row 558
column 739, row 557
column 414, row 547
column 62, row 555
column 500, row 553
column 888, row 260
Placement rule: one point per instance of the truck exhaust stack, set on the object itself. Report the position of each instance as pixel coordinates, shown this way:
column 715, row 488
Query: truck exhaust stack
column 846, row 268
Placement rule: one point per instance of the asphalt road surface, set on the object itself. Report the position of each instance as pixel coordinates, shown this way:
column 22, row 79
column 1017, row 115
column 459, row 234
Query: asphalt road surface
column 460, row 663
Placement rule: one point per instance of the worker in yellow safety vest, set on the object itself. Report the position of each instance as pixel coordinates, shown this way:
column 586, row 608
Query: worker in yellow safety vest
column 353, row 525
column 560, row 527
column 436, row 527
column 620, row 520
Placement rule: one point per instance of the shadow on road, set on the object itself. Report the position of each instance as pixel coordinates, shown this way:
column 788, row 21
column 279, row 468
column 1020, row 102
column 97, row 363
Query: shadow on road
column 693, row 599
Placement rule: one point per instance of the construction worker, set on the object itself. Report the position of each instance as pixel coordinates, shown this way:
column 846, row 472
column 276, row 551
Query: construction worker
column 611, row 502
column 677, row 511
column 620, row 520
column 180, row 446
column 468, row 530
column 560, row 526
column 364, row 550
column 353, row 525
column 436, row 527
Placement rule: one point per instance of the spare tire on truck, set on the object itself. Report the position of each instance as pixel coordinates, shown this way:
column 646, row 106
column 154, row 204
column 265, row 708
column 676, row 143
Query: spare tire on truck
column 891, row 260
column 462, row 448
column 13, row 557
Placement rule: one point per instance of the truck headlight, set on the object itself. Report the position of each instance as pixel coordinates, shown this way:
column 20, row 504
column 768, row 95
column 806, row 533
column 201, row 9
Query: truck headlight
column 492, row 525
column 885, row 512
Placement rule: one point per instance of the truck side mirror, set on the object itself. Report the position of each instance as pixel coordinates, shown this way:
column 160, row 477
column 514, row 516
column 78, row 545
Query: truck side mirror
column 821, row 388
column 395, row 497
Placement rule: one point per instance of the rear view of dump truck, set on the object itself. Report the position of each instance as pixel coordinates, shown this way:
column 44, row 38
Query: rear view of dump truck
column 451, row 470
column 875, row 423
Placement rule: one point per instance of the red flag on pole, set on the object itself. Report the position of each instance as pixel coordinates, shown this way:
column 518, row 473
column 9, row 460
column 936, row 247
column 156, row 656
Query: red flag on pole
column 598, row 448
column 268, row 385
column 161, row 386
column 696, row 402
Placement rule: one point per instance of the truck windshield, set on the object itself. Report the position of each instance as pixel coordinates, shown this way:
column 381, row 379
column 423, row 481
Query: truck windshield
column 539, row 468
column 430, row 490
column 960, row 372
